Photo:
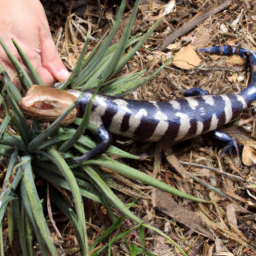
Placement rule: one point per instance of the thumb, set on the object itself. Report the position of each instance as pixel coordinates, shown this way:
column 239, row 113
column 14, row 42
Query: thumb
column 51, row 59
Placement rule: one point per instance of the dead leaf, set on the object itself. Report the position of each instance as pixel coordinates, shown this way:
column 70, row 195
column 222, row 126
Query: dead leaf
column 229, row 189
column 160, row 246
column 240, row 78
column 186, row 58
column 248, row 156
column 231, row 214
column 224, row 254
column 220, row 248
column 109, row 16
column 222, row 229
column 170, row 7
column 214, row 199
column 235, row 60
column 223, row 28
column 168, row 206
column 173, row 46
column 232, row 78
column 214, row 57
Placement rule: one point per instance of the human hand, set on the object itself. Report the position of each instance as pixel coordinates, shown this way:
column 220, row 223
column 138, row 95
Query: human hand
column 25, row 22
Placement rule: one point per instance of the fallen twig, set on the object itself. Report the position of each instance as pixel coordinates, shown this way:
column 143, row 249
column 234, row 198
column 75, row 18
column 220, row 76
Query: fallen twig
column 189, row 25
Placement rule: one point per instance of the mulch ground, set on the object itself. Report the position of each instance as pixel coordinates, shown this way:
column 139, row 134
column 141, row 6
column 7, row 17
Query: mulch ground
column 226, row 227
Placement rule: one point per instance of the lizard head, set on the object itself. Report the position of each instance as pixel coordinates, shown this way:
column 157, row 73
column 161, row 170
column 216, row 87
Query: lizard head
column 47, row 104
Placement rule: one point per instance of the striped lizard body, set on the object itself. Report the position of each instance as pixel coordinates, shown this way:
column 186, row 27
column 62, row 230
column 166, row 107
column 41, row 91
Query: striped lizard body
column 174, row 120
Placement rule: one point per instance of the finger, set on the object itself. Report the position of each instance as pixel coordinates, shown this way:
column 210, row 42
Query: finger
column 46, row 77
column 51, row 59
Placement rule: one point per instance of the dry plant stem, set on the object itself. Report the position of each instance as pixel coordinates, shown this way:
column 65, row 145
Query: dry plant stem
column 192, row 23
column 70, row 7
column 157, row 160
column 49, row 209
column 215, row 170
column 173, row 161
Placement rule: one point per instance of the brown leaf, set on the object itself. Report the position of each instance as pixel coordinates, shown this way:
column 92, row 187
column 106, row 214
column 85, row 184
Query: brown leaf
column 186, row 58
column 235, row 60
column 230, row 191
column 248, row 156
column 167, row 205
column 232, row 78
column 232, row 220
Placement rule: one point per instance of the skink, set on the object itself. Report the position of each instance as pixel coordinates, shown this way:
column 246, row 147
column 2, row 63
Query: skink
column 174, row 120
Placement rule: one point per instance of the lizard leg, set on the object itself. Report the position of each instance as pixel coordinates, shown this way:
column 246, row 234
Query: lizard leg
column 106, row 140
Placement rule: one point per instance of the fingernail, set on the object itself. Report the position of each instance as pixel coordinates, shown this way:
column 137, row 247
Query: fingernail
column 63, row 75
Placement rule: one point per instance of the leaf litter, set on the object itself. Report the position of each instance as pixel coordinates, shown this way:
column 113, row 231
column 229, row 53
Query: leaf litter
column 227, row 226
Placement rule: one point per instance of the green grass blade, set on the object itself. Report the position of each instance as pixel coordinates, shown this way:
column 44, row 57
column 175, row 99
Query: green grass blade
column 167, row 237
column 67, row 173
column 10, row 167
column 10, row 224
column 62, row 183
column 94, row 78
column 135, row 174
column 20, row 121
column 65, row 134
column 8, row 192
column 99, row 55
column 131, row 86
column 53, row 141
column 36, row 79
column 19, row 223
column 13, row 89
column 5, row 199
column 85, row 121
column 111, row 197
column 4, row 124
column 131, row 53
column 13, row 141
column 77, row 67
column 20, row 70
column 130, row 42
column 122, row 43
column 125, row 88
column 87, row 60
column 82, row 127
column 1, row 69
column 142, row 236
column 66, row 208
column 5, row 150
column 28, row 230
column 116, row 82
column 1, row 241
column 37, row 231
column 36, row 207
column 106, row 233
column 35, row 143
column 115, row 239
